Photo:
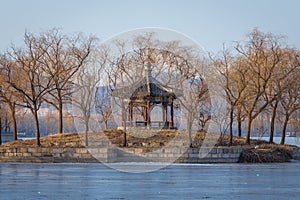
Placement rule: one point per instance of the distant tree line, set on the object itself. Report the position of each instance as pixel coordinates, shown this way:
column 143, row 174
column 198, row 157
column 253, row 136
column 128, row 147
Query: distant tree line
column 257, row 76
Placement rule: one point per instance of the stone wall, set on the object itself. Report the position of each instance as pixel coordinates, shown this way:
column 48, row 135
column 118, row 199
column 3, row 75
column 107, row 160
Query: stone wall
column 45, row 154
column 195, row 155
column 69, row 154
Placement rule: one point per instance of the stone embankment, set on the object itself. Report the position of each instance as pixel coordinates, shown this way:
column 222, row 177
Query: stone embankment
column 110, row 155
column 93, row 154
column 69, row 148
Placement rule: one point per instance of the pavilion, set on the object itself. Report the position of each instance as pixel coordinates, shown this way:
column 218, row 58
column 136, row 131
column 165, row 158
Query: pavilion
column 147, row 93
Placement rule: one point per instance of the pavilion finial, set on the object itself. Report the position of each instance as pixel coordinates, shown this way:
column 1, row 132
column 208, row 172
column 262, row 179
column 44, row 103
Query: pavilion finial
column 148, row 69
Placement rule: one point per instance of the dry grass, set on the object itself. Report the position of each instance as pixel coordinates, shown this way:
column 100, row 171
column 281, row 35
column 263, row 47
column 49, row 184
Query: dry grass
column 55, row 140
column 157, row 139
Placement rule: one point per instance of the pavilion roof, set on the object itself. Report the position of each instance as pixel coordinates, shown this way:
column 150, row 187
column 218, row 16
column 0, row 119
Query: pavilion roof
column 148, row 86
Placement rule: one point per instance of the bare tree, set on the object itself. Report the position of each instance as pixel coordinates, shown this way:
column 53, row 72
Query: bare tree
column 290, row 100
column 26, row 75
column 260, row 124
column 233, row 80
column 240, row 117
column 281, row 81
column 103, row 105
column 220, row 120
column 195, row 95
column 84, row 98
column 262, row 54
column 8, row 96
column 204, row 116
column 87, row 81
column 0, row 125
column 63, row 57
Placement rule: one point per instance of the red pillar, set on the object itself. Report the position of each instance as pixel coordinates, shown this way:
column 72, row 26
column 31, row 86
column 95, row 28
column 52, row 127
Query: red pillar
column 165, row 113
column 148, row 113
column 145, row 114
column 172, row 116
column 130, row 113
column 122, row 116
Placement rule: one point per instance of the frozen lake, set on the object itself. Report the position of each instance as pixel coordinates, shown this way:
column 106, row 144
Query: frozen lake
column 288, row 140
column 180, row 181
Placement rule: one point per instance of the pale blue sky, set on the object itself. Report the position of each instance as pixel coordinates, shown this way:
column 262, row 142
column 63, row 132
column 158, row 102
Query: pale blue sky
column 209, row 22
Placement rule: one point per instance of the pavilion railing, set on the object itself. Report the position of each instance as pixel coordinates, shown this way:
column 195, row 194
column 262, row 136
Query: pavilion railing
column 152, row 124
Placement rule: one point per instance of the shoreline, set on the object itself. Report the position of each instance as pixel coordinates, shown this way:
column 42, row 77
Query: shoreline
column 69, row 148
column 116, row 155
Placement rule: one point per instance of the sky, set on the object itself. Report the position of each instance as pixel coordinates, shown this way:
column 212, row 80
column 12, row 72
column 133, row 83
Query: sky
column 211, row 23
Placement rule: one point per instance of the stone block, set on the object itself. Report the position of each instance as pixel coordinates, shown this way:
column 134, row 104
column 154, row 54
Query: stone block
column 151, row 155
column 46, row 150
column 219, row 150
column 81, row 150
column 193, row 155
column 9, row 150
column 71, row 150
column 11, row 154
column 237, row 150
column 77, row 155
column 226, row 150
column 57, row 155
column 205, row 155
column 57, row 150
column 58, row 160
column 93, row 150
column 225, row 155
column 5, row 154
column 104, row 150
column 235, row 155
column 185, row 155
column 217, row 155
column 138, row 151
column 213, row 151
column 18, row 154
column 37, row 154
column 86, row 155
column 32, row 150
column 66, row 155
column 170, row 155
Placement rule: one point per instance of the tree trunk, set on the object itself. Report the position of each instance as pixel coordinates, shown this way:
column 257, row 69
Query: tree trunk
column 286, row 120
column 0, row 131
column 189, row 124
column 86, row 133
column 239, row 120
column 105, row 124
column 13, row 115
column 12, row 107
column 124, row 126
column 60, row 117
column 37, row 128
column 125, row 139
column 248, row 132
column 6, row 126
column 239, row 128
column 60, row 112
column 274, row 109
column 231, row 127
